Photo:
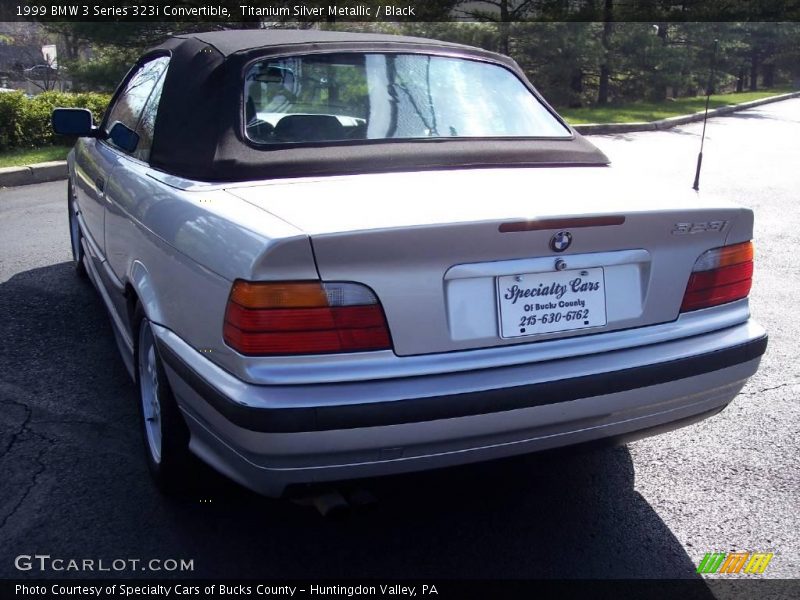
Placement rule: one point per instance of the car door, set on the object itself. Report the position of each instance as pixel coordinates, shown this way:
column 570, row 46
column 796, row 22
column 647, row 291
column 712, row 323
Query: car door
column 129, row 108
column 93, row 164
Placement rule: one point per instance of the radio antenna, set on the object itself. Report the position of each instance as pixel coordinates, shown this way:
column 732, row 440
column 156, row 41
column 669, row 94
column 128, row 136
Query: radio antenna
column 696, row 186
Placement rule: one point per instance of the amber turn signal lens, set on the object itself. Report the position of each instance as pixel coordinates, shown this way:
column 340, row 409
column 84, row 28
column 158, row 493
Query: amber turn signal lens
column 724, row 257
column 279, row 295
column 304, row 317
column 734, row 255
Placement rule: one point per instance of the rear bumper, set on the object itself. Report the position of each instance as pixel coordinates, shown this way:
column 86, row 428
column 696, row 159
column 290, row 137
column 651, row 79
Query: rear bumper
column 267, row 437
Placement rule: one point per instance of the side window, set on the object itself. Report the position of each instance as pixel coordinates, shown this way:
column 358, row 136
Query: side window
column 147, row 122
column 130, row 103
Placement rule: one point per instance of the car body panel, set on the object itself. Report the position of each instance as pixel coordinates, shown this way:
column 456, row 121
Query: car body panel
column 431, row 246
column 92, row 164
column 448, row 196
column 271, row 461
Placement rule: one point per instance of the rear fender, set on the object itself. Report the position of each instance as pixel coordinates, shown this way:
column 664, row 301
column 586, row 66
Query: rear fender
column 141, row 282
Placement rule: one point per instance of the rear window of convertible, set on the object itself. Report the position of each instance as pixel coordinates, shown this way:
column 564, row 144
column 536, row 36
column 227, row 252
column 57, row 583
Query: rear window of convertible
column 374, row 96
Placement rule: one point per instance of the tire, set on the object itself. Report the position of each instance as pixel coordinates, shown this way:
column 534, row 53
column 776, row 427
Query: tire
column 164, row 432
column 75, row 235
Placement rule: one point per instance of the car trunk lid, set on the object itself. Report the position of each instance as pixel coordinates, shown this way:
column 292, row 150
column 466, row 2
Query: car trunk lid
column 447, row 252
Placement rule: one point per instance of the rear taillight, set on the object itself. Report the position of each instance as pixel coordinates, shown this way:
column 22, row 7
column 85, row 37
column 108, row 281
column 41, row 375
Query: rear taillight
column 309, row 317
column 720, row 275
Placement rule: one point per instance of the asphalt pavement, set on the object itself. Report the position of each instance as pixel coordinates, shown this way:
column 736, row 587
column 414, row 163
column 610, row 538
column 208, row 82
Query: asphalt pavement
column 74, row 485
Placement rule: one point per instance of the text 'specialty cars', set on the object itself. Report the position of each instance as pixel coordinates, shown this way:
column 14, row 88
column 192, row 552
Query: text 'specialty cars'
column 333, row 255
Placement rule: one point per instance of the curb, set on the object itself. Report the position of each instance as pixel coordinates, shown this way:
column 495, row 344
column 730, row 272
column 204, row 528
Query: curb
column 604, row 128
column 36, row 173
column 57, row 169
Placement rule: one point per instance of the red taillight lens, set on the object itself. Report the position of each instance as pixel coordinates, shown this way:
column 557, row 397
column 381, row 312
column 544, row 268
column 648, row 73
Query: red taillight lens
column 720, row 275
column 265, row 318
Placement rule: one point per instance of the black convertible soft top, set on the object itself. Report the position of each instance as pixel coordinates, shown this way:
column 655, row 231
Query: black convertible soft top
column 199, row 133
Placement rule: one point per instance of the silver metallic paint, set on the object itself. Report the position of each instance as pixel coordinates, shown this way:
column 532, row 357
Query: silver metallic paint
column 178, row 246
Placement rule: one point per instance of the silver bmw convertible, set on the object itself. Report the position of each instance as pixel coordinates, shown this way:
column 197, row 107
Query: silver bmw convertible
column 330, row 255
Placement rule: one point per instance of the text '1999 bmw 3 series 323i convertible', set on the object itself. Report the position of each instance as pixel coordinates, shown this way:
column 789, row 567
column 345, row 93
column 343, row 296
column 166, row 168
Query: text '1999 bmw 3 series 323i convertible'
column 330, row 255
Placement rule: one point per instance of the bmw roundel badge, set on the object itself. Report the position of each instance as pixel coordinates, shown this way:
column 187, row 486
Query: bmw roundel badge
column 561, row 241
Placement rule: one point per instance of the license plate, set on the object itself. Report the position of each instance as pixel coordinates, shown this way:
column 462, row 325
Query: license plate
column 537, row 303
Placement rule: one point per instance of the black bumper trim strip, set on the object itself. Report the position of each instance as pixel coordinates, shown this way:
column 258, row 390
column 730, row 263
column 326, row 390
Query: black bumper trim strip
column 323, row 418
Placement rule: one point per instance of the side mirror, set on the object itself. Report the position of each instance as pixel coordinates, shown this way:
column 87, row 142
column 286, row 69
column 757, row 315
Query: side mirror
column 73, row 121
column 123, row 137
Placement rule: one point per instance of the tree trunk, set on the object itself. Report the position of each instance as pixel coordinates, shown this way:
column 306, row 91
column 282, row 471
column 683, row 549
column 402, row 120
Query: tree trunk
column 769, row 76
column 576, row 85
column 602, row 90
column 754, row 70
column 504, row 28
column 740, row 80
column 70, row 46
column 663, row 32
column 605, row 70
column 660, row 85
